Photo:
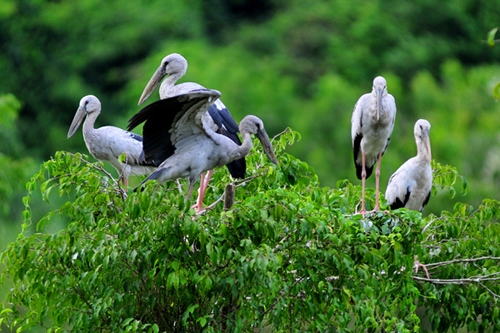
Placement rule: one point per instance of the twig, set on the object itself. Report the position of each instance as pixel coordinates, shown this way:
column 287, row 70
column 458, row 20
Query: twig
column 455, row 261
column 427, row 225
column 286, row 130
column 489, row 290
column 99, row 167
column 453, row 281
column 211, row 206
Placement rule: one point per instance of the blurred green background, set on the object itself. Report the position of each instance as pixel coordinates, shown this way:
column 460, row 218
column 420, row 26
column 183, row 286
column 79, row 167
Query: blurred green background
column 296, row 63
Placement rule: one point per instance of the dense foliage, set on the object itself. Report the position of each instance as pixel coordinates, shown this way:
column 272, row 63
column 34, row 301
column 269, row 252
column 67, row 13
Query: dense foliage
column 288, row 256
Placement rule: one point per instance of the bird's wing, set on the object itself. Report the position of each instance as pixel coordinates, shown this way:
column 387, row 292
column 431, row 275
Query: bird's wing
column 169, row 121
column 400, row 186
column 228, row 127
column 392, row 115
column 357, row 135
column 120, row 141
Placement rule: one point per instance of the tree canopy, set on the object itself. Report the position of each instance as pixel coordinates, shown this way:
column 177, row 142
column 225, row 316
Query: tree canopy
column 289, row 255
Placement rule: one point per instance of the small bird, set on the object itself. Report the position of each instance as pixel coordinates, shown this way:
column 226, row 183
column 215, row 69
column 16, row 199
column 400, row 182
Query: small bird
column 410, row 186
column 108, row 143
column 371, row 128
column 197, row 146
column 172, row 68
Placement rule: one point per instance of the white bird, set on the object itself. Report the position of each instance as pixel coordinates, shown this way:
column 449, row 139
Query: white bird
column 410, row 186
column 371, row 128
column 171, row 69
column 197, row 146
column 108, row 143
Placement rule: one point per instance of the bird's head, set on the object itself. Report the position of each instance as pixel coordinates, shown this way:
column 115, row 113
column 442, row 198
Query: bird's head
column 421, row 131
column 253, row 125
column 173, row 64
column 88, row 104
column 379, row 90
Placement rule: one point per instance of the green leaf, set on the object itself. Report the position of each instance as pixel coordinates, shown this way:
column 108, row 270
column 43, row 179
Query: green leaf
column 491, row 37
column 496, row 91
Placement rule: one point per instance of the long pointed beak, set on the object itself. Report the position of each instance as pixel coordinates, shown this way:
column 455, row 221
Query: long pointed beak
column 266, row 144
column 379, row 102
column 151, row 86
column 77, row 120
column 428, row 145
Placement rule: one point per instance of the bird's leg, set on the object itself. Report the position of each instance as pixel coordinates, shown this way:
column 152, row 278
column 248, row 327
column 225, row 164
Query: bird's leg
column 363, row 179
column 190, row 190
column 417, row 264
column 204, row 180
column 377, row 182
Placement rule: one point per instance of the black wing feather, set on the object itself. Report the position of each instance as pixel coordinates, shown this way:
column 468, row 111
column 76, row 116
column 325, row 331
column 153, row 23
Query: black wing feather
column 228, row 127
column 158, row 118
column 357, row 147
column 400, row 204
column 426, row 201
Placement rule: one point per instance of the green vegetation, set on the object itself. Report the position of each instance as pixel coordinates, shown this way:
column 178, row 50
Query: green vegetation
column 290, row 254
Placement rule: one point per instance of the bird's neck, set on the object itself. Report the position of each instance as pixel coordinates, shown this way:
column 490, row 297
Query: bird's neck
column 88, row 124
column 246, row 145
column 168, row 83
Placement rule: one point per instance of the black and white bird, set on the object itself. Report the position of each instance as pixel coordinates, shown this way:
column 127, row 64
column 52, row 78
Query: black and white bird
column 371, row 128
column 171, row 69
column 108, row 143
column 183, row 120
column 410, row 186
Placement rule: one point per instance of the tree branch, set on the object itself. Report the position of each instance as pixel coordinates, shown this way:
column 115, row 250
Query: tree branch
column 465, row 260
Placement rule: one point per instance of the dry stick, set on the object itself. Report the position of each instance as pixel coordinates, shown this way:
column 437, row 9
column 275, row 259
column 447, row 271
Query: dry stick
column 229, row 197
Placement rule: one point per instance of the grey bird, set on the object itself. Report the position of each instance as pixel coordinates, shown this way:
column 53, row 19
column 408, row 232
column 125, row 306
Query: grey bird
column 184, row 121
column 371, row 128
column 172, row 68
column 108, row 143
column 410, row 186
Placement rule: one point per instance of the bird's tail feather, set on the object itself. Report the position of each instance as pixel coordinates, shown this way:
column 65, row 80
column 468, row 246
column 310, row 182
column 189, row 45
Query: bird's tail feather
column 152, row 176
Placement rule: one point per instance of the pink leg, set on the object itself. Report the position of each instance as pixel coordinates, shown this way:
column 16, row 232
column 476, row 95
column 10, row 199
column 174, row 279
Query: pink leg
column 363, row 179
column 377, row 182
column 204, row 180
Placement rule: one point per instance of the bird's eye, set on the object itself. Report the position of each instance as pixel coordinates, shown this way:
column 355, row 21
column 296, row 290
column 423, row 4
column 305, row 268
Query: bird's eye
column 86, row 102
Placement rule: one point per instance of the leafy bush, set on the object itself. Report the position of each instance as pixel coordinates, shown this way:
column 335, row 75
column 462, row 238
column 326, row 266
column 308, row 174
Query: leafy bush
column 289, row 255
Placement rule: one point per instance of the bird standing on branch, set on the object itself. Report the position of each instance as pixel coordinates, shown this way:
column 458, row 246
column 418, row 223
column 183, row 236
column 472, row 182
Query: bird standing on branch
column 371, row 128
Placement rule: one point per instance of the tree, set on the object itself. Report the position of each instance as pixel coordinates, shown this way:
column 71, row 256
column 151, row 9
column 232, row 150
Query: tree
column 289, row 255
column 15, row 166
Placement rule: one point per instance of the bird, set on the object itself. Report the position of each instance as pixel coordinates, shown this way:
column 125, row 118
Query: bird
column 410, row 186
column 372, row 123
column 108, row 143
column 171, row 69
column 192, row 132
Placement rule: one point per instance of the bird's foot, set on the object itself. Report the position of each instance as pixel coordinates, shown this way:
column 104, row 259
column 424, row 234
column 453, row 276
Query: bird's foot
column 198, row 208
column 417, row 264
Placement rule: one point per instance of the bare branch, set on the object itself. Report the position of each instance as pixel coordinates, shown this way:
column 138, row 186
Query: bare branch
column 489, row 290
column 456, row 261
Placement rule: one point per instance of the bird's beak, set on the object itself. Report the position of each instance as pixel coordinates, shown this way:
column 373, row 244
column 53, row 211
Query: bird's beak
column 266, row 144
column 428, row 143
column 77, row 120
column 151, row 86
column 379, row 102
